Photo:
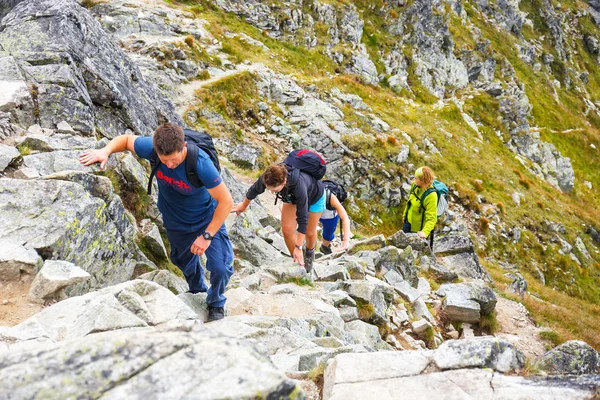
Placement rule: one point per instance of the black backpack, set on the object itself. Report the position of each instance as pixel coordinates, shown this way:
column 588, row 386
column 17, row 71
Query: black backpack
column 308, row 161
column 194, row 141
column 338, row 190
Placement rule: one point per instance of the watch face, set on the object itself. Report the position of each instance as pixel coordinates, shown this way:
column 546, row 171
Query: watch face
column 207, row 236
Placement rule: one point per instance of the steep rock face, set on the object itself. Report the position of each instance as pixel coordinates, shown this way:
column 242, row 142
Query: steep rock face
column 61, row 220
column 63, row 67
column 437, row 67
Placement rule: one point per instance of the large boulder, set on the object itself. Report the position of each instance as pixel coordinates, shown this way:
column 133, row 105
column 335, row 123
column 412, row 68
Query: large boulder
column 16, row 259
column 365, row 367
column 457, row 252
column 132, row 304
column 181, row 361
column 465, row 383
column 401, row 261
column 479, row 352
column 54, row 276
column 467, row 302
column 370, row 299
column 69, row 70
column 573, row 357
column 62, row 221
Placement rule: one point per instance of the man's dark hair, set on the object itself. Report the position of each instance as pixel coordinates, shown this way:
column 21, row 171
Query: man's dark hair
column 168, row 139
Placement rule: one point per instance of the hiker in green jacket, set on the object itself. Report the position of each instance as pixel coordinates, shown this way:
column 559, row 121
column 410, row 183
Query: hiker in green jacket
column 421, row 217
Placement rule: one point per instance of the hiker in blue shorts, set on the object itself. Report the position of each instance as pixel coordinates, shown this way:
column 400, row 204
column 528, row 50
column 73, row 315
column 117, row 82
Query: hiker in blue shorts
column 330, row 218
column 193, row 213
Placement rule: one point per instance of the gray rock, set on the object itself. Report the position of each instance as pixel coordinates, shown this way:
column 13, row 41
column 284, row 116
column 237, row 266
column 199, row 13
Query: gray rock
column 108, row 93
column 391, row 258
column 131, row 304
column 420, row 326
column 152, row 240
column 582, row 252
column 55, row 161
column 441, row 273
column 168, row 358
column 246, row 156
column 7, row 155
column 466, row 265
column 401, row 240
column 467, row 301
column 403, row 154
column 349, row 314
column 369, row 296
column 592, row 45
column 247, row 244
column 197, row 302
column 368, row 367
column 401, row 286
column 167, row 279
column 452, row 244
column 14, row 259
column 362, row 65
column 420, row 310
column 572, row 357
column 284, row 269
column 518, row 286
column 61, row 220
column 96, row 185
column 331, row 271
column 56, row 141
column 479, row 352
column 54, row 276
column 473, row 383
column 365, row 334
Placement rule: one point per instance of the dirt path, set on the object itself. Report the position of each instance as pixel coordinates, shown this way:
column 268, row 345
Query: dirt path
column 187, row 91
column 519, row 329
column 14, row 305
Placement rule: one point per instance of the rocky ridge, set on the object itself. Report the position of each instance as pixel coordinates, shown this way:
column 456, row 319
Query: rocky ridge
column 389, row 301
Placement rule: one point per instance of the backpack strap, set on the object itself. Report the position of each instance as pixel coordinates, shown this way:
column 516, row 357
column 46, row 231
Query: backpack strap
column 412, row 191
column 422, row 200
column 191, row 165
column 154, row 164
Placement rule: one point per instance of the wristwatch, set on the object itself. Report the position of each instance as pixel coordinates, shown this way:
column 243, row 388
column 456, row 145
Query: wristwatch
column 207, row 236
column 298, row 247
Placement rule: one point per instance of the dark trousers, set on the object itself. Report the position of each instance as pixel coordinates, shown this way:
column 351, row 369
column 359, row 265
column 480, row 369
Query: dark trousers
column 219, row 257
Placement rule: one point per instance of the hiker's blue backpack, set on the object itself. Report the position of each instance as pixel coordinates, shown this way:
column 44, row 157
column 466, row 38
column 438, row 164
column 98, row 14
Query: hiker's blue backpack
column 442, row 191
column 308, row 161
column 195, row 140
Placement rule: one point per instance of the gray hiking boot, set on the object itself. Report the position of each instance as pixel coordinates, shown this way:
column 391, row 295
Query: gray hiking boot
column 325, row 249
column 309, row 257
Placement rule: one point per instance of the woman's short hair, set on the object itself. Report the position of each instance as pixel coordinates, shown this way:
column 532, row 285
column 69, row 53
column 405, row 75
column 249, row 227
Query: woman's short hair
column 168, row 139
column 274, row 175
column 425, row 175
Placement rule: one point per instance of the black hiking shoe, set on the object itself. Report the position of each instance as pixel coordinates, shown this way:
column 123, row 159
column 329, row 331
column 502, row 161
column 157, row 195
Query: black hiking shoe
column 309, row 257
column 325, row 249
column 215, row 313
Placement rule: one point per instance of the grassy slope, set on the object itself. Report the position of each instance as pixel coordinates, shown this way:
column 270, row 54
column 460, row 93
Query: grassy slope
column 464, row 157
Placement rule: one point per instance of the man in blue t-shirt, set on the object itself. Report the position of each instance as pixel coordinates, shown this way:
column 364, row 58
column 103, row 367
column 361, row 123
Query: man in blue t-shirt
column 193, row 217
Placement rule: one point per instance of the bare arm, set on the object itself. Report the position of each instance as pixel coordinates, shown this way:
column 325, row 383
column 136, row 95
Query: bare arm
column 224, row 203
column 118, row 144
column 345, row 220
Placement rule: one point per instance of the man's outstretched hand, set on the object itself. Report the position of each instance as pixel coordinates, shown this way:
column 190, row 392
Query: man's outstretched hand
column 94, row 156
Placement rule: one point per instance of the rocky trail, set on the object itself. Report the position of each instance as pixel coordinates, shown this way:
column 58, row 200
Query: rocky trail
column 89, row 305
